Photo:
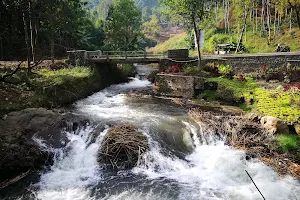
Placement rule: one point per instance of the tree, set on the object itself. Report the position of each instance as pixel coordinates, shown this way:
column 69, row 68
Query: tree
column 152, row 28
column 123, row 26
column 192, row 12
column 242, row 8
column 295, row 5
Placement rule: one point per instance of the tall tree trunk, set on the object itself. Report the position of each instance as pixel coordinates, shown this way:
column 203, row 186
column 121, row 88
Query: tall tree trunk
column 242, row 32
column 268, row 21
column 256, row 16
column 291, row 20
column 228, row 16
column 1, row 48
column 31, row 33
column 52, row 47
column 275, row 23
column 225, row 15
column 297, row 11
column 262, row 18
column 26, row 41
column 197, row 41
column 216, row 13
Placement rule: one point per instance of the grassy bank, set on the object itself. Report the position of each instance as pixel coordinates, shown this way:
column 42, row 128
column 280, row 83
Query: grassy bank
column 54, row 88
column 253, row 42
column 275, row 102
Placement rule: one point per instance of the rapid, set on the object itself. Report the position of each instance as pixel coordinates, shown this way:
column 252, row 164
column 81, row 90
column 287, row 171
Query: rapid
column 184, row 161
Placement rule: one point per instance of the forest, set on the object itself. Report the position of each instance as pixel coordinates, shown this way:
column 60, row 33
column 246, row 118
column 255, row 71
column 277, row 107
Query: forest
column 46, row 29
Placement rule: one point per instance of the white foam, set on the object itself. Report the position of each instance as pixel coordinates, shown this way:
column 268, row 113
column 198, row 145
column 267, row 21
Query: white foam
column 219, row 171
column 213, row 171
column 74, row 169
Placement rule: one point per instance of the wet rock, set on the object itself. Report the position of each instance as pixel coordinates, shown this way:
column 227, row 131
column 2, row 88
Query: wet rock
column 252, row 117
column 175, row 137
column 250, row 155
column 274, row 125
column 18, row 150
column 297, row 128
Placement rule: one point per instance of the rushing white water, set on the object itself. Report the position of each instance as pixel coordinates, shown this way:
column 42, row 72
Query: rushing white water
column 211, row 171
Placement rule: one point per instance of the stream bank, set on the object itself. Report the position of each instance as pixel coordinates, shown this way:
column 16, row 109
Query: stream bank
column 54, row 88
column 184, row 161
column 221, row 96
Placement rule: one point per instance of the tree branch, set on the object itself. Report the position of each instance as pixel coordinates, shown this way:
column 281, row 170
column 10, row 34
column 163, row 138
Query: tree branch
column 2, row 79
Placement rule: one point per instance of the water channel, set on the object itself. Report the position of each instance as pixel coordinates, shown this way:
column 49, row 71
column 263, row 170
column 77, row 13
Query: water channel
column 195, row 166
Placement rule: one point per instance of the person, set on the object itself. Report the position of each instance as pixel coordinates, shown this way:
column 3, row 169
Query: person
column 278, row 47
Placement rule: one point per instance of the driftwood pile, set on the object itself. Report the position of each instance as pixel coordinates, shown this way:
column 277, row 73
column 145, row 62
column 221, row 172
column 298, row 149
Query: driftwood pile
column 239, row 131
column 122, row 147
column 248, row 135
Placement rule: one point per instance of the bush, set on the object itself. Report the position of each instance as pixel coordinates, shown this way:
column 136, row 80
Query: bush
column 289, row 142
column 129, row 70
column 152, row 76
column 194, row 71
column 217, row 39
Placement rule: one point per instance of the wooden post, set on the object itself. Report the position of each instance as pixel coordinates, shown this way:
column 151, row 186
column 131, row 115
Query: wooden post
column 145, row 54
column 125, row 54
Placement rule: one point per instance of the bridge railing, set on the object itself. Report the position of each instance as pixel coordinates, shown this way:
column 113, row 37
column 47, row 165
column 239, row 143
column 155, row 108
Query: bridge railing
column 120, row 54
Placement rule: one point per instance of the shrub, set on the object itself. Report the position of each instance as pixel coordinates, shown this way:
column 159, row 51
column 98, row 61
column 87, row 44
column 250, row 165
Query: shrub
column 289, row 142
column 152, row 76
column 194, row 71
column 224, row 69
column 217, row 39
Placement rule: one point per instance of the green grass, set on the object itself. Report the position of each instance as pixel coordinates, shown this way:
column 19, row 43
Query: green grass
column 289, row 142
column 61, row 75
column 275, row 103
column 254, row 43
column 176, row 42
column 76, row 72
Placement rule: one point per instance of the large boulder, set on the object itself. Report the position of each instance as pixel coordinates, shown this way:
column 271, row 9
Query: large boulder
column 274, row 125
column 122, row 147
column 19, row 152
column 297, row 128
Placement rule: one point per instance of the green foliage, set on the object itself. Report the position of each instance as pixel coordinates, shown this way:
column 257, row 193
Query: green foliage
column 78, row 72
column 123, row 26
column 152, row 75
column 277, row 103
column 217, row 39
column 151, row 28
column 57, row 77
column 176, row 42
column 60, row 24
column 289, row 142
column 129, row 70
column 224, row 69
column 195, row 71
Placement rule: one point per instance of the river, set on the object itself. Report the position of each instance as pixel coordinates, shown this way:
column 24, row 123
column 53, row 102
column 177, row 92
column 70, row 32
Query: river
column 199, row 166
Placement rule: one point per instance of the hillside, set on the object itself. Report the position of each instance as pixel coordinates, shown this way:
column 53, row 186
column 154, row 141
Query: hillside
column 254, row 43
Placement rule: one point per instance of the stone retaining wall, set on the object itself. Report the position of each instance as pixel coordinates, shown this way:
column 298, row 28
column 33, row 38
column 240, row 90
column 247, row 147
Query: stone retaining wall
column 251, row 63
column 177, row 85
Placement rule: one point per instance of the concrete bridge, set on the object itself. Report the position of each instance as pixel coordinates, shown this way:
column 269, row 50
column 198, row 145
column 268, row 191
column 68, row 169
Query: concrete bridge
column 240, row 62
column 119, row 57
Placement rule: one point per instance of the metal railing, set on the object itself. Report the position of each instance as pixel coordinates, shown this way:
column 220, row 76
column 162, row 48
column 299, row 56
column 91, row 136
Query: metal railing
column 121, row 54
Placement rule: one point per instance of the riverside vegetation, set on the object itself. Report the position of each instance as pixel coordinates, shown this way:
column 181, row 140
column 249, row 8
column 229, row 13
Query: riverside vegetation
column 260, row 93
column 53, row 88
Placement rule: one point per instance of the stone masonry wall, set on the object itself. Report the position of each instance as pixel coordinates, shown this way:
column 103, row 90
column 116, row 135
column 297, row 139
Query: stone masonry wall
column 251, row 63
column 174, row 85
